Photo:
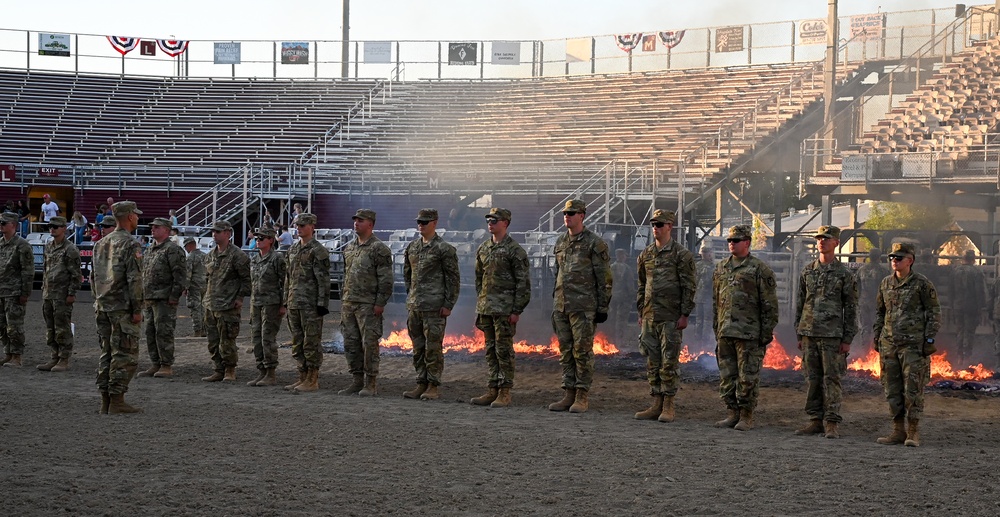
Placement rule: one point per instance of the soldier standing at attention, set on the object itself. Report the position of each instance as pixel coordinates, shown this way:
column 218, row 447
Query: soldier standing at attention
column 108, row 225
column 267, row 271
column 307, row 294
column 745, row 312
column 826, row 310
column 16, row 276
column 367, row 289
column 163, row 280
column 430, row 273
column 703, row 297
column 623, row 281
column 581, row 298
column 196, row 279
column 664, row 300
column 116, row 281
column 228, row 282
column 503, row 290
column 60, row 282
column 869, row 276
column 968, row 300
column 908, row 317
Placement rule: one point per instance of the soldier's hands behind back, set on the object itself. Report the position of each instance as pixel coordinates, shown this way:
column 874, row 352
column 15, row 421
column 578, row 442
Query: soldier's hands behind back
column 600, row 317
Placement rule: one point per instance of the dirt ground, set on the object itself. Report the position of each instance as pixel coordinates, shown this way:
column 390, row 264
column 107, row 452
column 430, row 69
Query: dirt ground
column 229, row 449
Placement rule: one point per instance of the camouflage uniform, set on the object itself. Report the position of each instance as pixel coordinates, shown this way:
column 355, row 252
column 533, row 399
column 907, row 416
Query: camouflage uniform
column 60, row 280
column 703, row 302
column 969, row 286
column 17, row 271
column 228, row 281
column 667, row 283
column 869, row 277
column 267, row 273
column 117, row 285
column 307, row 288
column 825, row 316
column 164, row 272
column 367, row 283
column 623, row 282
column 744, row 314
column 431, row 276
column 196, row 279
column 503, row 287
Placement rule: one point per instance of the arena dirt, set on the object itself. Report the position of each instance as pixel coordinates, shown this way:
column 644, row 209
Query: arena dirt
column 228, row 449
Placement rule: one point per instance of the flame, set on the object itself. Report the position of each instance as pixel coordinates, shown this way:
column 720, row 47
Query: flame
column 399, row 340
column 777, row 358
column 941, row 368
column 869, row 363
column 687, row 357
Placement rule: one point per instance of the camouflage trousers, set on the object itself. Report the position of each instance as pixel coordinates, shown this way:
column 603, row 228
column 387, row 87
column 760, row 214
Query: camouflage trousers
column 575, row 332
column 866, row 322
column 426, row 329
column 119, row 352
column 306, row 326
column 905, row 372
column 498, row 334
column 739, row 361
column 265, row 320
column 197, row 309
column 12, row 325
column 823, row 365
column 58, row 327
column 703, row 323
column 160, row 318
column 223, row 328
column 966, row 322
column 619, row 321
column 362, row 330
column 661, row 345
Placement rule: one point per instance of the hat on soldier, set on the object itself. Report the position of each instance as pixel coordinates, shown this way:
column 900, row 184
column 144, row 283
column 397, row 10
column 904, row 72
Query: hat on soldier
column 264, row 232
column 160, row 221
column 109, row 221
column 969, row 254
column 304, row 219
column 705, row 247
column 364, row 213
column 575, row 205
column 57, row 221
column 663, row 216
column 740, row 231
column 8, row 217
column 830, row 232
column 190, row 240
column 875, row 252
column 902, row 249
column 123, row 208
column 222, row 226
column 426, row 215
column 501, row 214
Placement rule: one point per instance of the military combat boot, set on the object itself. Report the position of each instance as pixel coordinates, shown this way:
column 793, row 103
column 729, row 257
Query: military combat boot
column 215, row 377
column 165, row 371
column 371, row 387
column 269, row 378
column 61, row 366
column 105, row 402
column 6, row 357
column 119, row 406
column 301, row 379
column 653, row 411
column 312, row 382
column 731, row 420
column 503, row 398
column 14, row 361
column 913, row 433
column 569, row 395
column 898, row 434
column 668, row 409
column 229, row 374
column 415, row 393
column 260, row 375
column 432, row 393
column 830, row 430
column 150, row 371
column 487, row 398
column 355, row 387
column 814, row 426
column 46, row 367
column 582, row 402
column 746, row 420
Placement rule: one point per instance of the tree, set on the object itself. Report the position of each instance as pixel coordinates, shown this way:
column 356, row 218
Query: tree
column 887, row 215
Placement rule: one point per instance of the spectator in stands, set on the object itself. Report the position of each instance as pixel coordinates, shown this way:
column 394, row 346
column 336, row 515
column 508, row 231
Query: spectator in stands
column 111, row 201
column 296, row 210
column 173, row 217
column 268, row 223
column 107, row 225
column 78, row 225
column 102, row 210
column 49, row 208
column 285, row 239
column 23, row 217
column 94, row 232
column 251, row 240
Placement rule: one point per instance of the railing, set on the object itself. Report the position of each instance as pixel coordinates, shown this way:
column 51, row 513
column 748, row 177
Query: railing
column 235, row 193
column 599, row 178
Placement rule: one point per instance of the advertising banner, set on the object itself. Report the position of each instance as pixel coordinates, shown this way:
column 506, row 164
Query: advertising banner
column 729, row 39
column 294, row 53
column 227, row 53
column 864, row 26
column 505, row 53
column 463, row 53
column 53, row 44
column 577, row 50
column 376, row 52
column 812, row 32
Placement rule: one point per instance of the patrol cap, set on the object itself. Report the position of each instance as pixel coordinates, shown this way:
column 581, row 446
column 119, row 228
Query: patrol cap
column 123, row 208
column 222, row 226
column 705, row 247
column 161, row 221
column 501, row 214
column 830, row 232
column 740, row 231
column 426, row 215
column 875, row 252
column 902, row 249
column 663, row 216
column 969, row 254
column 264, row 232
column 57, row 221
column 190, row 240
column 305, row 219
column 109, row 221
column 10, row 217
column 575, row 205
column 364, row 213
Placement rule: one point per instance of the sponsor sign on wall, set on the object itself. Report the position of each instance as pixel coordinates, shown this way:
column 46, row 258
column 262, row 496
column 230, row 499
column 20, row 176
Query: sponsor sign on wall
column 294, row 53
column 812, row 32
column 464, row 53
column 53, row 44
column 729, row 39
column 378, row 52
column 864, row 26
column 505, row 53
column 227, row 53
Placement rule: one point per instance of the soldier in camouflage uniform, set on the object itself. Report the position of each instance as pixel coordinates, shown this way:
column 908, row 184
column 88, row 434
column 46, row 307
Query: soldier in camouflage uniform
column 116, row 281
column 664, row 300
column 704, row 269
column 908, row 316
column 267, row 271
column 60, row 282
column 825, row 321
column 430, row 273
column 503, row 290
column 969, row 287
column 164, row 272
column 869, row 277
column 623, row 280
column 367, row 288
column 745, row 312
column 196, row 278
column 581, row 298
column 228, row 282
column 108, row 225
column 307, row 295
column 17, row 271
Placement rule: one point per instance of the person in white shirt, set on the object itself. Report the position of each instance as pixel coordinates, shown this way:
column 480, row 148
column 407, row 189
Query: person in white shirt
column 49, row 208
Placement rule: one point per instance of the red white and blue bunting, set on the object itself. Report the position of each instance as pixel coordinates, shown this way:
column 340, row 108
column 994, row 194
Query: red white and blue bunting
column 172, row 48
column 627, row 42
column 671, row 39
column 123, row 44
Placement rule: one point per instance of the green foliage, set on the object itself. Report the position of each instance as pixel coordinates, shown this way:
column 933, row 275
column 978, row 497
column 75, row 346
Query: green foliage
column 887, row 215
